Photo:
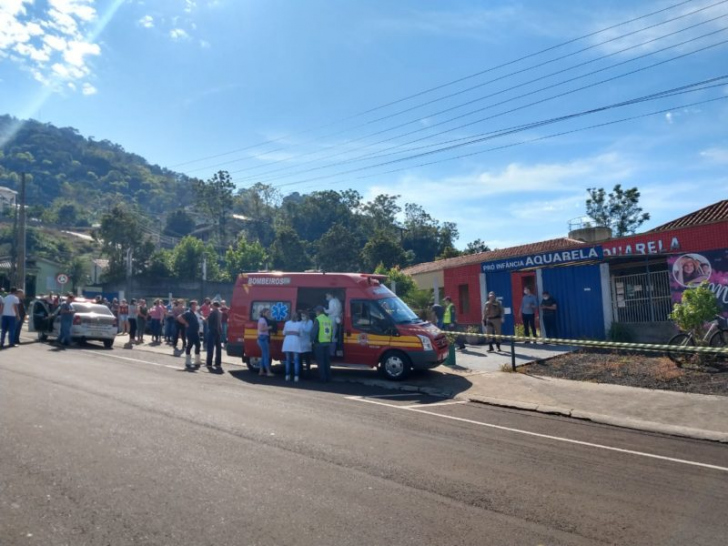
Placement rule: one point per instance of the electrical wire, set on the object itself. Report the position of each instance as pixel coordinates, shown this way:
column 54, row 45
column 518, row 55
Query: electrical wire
column 447, row 84
column 482, row 84
column 540, row 101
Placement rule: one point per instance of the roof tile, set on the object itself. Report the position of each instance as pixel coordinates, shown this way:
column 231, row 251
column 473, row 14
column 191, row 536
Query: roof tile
column 712, row 213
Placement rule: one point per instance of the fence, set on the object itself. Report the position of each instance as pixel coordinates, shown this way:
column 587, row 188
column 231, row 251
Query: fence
column 641, row 297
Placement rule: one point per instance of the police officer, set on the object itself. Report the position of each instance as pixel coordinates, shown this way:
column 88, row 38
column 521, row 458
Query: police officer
column 449, row 321
column 322, row 335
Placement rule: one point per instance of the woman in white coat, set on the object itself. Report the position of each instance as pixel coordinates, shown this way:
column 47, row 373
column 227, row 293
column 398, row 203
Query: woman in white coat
column 292, row 346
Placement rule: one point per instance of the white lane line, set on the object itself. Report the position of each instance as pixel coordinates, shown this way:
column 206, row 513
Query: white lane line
column 435, row 404
column 377, row 402
column 132, row 359
column 548, row 436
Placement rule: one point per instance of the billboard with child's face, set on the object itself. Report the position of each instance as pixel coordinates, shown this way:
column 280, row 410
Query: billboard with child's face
column 689, row 270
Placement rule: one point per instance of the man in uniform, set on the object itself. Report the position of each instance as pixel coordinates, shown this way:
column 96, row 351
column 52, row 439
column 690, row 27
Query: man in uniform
column 322, row 335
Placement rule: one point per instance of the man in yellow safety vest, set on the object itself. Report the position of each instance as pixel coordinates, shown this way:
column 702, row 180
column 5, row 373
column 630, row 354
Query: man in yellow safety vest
column 322, row 335
column 449, row 321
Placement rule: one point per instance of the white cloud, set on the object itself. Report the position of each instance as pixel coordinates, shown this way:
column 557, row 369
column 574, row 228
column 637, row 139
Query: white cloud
column 669, row 118
column 638, row 37
column 204, row 44
column 147, row 21
column 715, row 155
column 49, row 39
column 178, row 34
column 190, row 5
column 88, row 89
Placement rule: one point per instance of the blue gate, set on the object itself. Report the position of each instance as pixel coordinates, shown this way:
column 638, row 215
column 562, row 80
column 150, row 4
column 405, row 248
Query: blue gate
column 578, row 294
column 500, row 283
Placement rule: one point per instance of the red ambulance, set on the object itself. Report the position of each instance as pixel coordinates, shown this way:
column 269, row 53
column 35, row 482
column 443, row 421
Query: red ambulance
column 377, row 328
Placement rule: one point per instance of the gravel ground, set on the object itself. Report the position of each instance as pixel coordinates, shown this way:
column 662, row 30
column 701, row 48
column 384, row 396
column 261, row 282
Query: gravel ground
column 633, row 370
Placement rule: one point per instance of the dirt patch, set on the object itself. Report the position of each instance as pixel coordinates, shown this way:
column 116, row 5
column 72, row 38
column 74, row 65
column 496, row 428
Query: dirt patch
column 632, row 370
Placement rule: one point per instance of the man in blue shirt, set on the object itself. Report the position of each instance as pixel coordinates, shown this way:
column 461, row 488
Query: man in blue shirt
column 529, row 304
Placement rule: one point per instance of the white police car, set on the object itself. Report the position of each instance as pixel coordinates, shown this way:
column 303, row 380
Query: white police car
column 91, row 322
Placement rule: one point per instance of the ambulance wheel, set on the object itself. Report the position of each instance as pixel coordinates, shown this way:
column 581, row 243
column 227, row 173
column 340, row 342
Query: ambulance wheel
column 253, row 364
column 395, row 365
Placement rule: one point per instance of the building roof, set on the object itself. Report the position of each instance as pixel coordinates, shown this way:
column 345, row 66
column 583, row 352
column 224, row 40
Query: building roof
column 712, row 213
column 562, row 243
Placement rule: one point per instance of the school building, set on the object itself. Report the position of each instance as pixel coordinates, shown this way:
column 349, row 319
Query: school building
column 599, row 282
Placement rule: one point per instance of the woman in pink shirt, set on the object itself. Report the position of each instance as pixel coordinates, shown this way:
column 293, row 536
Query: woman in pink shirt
column 157, row 313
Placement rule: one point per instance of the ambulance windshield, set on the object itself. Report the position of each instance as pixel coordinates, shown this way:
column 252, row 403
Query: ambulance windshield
column 398, row 310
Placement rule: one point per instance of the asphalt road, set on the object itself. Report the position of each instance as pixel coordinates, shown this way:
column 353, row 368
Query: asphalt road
column 123, row 447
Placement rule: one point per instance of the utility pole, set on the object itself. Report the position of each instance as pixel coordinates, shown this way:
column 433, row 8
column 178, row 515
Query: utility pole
column 20, row 279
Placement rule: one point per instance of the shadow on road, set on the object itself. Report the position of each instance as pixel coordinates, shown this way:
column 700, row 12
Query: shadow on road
column 447, row 383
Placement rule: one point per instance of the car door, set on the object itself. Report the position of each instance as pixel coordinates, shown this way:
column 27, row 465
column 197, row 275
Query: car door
column 367, row 332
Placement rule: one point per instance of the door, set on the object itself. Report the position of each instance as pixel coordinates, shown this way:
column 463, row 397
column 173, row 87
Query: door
column 579, row 305
column 367, row 332
column 500, row 283
column 519, row 282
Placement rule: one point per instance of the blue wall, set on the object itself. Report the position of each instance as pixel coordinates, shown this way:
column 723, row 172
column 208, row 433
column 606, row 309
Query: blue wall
column 578, row 294
column 500, row 283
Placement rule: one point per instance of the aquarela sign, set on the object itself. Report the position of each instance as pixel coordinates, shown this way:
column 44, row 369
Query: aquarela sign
column 544, row 258
column 641, row 246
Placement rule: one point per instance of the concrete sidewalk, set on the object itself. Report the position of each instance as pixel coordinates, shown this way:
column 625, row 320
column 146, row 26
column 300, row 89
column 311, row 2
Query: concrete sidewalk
column 690, row 415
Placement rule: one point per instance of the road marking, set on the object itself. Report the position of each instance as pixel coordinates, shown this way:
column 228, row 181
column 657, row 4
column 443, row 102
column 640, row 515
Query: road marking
column 132, row 359
column 390, row 395
column 417, row 409
column 451, row 403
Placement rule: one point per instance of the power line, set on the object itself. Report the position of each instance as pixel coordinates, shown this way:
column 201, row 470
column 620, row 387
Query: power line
column 505, row 132
column 267, row 177
column 447, row 84
column 482, row 84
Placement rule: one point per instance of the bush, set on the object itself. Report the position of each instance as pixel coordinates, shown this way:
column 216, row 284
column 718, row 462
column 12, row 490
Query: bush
column 698, row 306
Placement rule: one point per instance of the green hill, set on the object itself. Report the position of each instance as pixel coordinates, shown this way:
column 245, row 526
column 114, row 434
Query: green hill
column 67, row 167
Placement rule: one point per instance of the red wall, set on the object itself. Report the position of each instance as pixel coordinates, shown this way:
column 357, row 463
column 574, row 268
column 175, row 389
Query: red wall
column 690, row 239
column 470, row 275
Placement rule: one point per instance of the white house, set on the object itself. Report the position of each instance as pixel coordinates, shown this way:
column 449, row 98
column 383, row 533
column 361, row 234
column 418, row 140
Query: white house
column 8, row 197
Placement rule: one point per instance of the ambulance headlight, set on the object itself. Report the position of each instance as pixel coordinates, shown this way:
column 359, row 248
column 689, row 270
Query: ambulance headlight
column 426, row 343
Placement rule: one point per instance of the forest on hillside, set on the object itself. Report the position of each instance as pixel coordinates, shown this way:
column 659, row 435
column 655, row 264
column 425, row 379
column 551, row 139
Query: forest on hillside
column 78, row 181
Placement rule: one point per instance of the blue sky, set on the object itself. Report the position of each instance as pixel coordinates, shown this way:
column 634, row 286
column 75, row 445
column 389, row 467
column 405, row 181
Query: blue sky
column 181, row 80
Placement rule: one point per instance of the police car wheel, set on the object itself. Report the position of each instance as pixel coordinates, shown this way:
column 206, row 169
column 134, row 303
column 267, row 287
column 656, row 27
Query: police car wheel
column 395, row 365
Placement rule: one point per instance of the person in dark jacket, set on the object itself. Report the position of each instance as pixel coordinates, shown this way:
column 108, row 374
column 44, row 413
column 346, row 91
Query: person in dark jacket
column 192, row 326
column 214, row 337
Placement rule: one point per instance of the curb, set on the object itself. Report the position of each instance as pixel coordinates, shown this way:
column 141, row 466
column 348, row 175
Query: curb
column 622, row 422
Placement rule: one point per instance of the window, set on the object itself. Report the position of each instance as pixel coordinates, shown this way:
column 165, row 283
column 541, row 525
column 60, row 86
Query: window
column 464, row 298
column 279, row 310
column 367, row 316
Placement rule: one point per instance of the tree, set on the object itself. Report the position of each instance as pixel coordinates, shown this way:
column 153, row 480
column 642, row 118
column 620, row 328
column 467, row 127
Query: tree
column 449, row 252
column 383, row 249
column 619, row 210
column 77, row 270
column 404, row 284
column 697, row 306
column 338, row 250
column 215, row 199
column 188, row 258
column 179, row 223
column 476, row 247
column 121, row 233
column 160, row 265
column 288, row 253
column 245, row 256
